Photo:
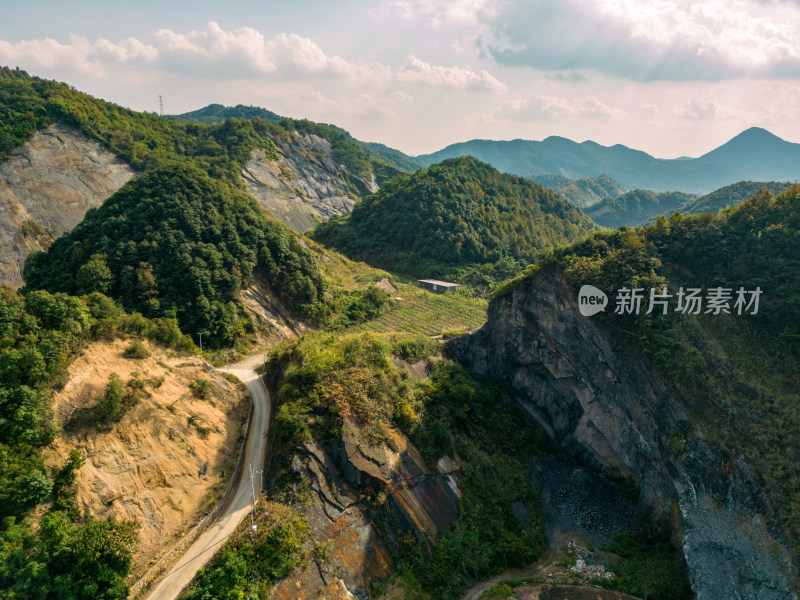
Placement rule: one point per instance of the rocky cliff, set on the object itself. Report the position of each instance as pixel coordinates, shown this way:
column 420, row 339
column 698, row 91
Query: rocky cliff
column 304, row 185
column 604, row 406
column 46, row 187
column 363, row 500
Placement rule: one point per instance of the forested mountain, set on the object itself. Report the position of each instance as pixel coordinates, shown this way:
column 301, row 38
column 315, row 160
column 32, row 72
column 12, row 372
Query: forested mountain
column 215, row 113
column 581, row 192
column 754, row 154
column 730, row 195
column 636, row 207
column 174, row 242
column 459, row 213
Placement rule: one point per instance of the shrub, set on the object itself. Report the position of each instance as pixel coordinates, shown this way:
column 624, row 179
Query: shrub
column 136, row 349
column 201, row 388
column 416, row 348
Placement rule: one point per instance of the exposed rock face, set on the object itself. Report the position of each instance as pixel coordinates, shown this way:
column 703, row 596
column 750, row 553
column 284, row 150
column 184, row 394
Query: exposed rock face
column 305, row 185
column 46, row 187
column 363, row 499
column 611, row 412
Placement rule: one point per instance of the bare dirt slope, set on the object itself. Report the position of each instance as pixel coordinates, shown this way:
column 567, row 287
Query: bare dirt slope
column 165, row 463
column 46, row 187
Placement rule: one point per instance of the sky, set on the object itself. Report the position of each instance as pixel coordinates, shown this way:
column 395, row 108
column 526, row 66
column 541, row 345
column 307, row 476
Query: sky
column 670, row 77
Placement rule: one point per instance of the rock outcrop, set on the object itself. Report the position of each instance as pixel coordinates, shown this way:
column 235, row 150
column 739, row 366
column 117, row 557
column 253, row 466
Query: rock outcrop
column 46, row 187
column 304, row 185
column 610, row 411
column 365, row 499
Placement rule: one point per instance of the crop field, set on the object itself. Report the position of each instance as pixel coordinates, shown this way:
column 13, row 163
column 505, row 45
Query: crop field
column 421, row 312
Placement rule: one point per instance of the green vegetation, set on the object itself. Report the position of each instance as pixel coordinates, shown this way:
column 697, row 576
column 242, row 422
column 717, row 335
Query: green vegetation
column 66, row 560
column 648, row 569
column 736, row 374
column 248, row 567
column 469, row 417
column 390, row 156
column 361, row 305
column 216, row 113
column 459, row 213
column 636, row 207
column 175, row 244
column 730, row 195
column 136, row 349
column 201, row 388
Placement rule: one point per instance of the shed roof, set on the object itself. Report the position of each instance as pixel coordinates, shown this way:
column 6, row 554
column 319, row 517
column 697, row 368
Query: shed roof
column 440, row 283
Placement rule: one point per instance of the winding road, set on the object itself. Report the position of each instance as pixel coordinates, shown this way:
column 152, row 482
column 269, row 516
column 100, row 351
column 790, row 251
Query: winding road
column 238, row 502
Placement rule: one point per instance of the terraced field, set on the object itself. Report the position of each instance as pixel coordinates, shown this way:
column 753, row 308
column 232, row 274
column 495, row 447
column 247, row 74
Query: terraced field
column 421, row 312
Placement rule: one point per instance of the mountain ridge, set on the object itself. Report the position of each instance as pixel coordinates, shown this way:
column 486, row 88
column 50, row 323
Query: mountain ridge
column 735, row 160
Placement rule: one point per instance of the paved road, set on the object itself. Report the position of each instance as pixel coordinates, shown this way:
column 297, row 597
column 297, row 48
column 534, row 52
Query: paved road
column 238, row 502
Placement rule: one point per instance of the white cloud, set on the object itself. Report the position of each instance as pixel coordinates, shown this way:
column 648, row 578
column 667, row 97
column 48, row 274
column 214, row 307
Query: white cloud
column 245, row 51
column 648, row 40
column 551, row 108
column 214, row 51
column 418, row 71
column 78, row 55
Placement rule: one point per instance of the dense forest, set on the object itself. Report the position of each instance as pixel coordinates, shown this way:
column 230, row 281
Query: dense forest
column 736, row 373
column 216, row 113
column 176, row 243
column 456, row 214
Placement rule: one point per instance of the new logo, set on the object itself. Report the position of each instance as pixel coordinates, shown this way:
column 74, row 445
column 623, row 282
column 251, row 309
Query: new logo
column 591, row 300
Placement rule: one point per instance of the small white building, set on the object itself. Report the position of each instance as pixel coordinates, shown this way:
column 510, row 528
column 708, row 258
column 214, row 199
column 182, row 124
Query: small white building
column 440, row 287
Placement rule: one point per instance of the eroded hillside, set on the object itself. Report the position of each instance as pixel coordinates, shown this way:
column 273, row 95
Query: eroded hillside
column 46, row 187
column 167, row 461
column 304, row 185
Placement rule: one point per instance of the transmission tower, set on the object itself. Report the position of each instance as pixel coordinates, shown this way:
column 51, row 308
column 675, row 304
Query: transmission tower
column 161, row 105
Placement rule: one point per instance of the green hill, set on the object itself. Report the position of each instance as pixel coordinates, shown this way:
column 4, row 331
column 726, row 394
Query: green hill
column 636, row 207
column 459, row 213
column 214, row 113
column 175, row 242
column 730, row 195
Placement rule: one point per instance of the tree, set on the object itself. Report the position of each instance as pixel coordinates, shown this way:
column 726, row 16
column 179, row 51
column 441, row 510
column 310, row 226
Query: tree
column 94, row 276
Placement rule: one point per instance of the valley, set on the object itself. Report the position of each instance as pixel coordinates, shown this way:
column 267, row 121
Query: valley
column 163, row 273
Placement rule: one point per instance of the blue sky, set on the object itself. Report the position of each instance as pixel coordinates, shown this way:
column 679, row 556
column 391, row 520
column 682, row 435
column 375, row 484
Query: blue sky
column 670, row 77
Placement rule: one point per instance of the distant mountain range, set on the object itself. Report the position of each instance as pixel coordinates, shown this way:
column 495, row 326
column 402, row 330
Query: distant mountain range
column 755, row 154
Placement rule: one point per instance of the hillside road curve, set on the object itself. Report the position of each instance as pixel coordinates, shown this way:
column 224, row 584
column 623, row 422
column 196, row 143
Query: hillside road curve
column 237, row 504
